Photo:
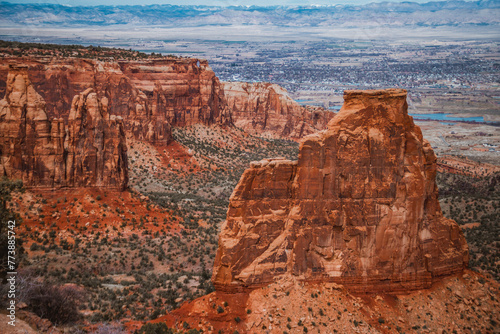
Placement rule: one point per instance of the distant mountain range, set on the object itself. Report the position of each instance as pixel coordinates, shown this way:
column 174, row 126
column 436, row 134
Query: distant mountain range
column 440, row 13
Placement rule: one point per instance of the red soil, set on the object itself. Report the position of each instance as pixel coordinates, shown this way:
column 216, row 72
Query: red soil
column 90, row 209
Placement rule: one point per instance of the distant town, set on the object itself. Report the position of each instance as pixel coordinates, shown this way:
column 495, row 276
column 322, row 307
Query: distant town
column 456, row 76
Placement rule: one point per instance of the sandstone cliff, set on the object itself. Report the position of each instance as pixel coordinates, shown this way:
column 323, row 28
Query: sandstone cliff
column 359, row 207
column 155, row 94
column 95, row 144
column 267, row 109
column 151, row 95
column 90, row 151
column 183, row 91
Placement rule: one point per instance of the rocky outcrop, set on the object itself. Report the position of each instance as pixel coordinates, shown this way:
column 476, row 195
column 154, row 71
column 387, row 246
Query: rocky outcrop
column 150, row 95
column 182, row 91
column 289, row 302
column 95, row 144
column 359, row 207
column 153, row 95
column 89, row 151
column 266, row 109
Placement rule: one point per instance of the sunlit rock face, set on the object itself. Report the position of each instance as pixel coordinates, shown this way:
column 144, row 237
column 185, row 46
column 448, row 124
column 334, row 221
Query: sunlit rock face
column 266, row 109
column 154, row 95
column 151, row 95
column 180, row 91
column 96, row 152
column 88, row 152
column 359, row 207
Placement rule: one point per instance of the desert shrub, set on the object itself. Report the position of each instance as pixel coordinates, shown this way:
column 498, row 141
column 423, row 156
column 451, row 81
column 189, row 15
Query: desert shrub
column 59, row 304
column 156, row 328
column 26, row 283
column 7, row 188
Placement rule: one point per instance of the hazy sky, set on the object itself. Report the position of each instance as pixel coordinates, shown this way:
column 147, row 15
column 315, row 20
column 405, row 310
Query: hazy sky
column 206, row 2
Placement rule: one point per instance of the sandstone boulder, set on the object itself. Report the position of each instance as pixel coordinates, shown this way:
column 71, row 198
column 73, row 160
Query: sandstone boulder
column 359, row 207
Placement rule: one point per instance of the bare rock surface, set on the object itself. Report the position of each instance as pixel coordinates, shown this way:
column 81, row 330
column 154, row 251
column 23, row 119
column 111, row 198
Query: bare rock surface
column 266, row 109
column 95, row 144
column 359, row 207
column 89, row 151
column 180, row 91
column 151, row 95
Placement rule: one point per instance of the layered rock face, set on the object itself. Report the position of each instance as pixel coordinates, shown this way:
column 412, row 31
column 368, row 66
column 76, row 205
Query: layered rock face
column 95, row 144
column 155, row 94
column 183, row 91
column 267, row 109
column 359, row 207
column 150, row 95
column 89, row 151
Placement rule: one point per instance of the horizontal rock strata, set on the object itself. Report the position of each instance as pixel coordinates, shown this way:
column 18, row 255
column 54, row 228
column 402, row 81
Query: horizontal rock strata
column 359, row 207
column 266, row 109
column 150, row 95
column 90, row 151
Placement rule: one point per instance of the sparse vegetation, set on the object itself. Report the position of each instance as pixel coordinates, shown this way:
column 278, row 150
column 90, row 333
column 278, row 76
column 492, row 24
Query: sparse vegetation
column 474, row 202
column 59, row 304
column 73, row 50
column 8, row 189
column 156, row 328
column 141, row 257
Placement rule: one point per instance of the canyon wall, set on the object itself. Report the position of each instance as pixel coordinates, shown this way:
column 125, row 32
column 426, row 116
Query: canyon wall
column 89, row 151
column 150, row 95
column 266, row 109
column 64, row 120
column 359, row 207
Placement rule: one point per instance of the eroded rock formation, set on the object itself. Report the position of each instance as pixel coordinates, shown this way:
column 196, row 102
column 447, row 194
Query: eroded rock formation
column 95, row 144
column 267, row 109
column 359, row 207
column 151, row 95
column 183, row 91
column 89, row 151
